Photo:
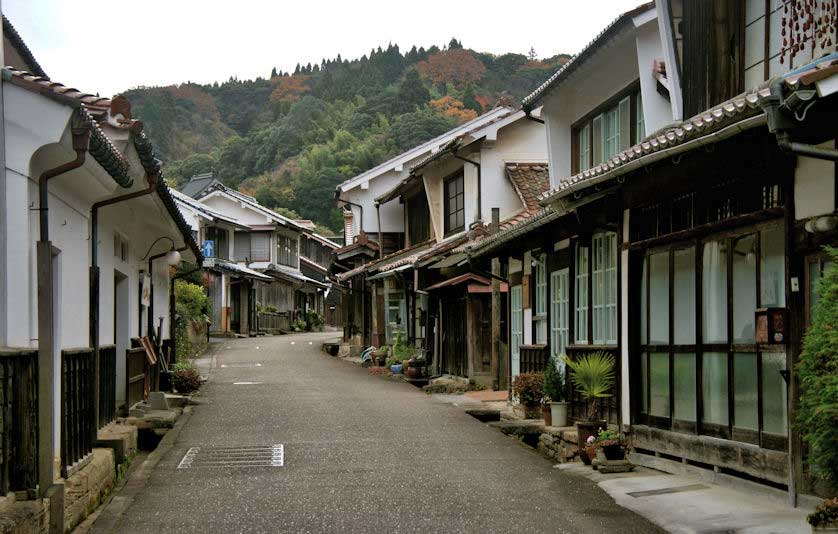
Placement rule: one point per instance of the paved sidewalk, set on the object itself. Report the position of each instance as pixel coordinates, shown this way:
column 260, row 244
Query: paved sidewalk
column 361, row 454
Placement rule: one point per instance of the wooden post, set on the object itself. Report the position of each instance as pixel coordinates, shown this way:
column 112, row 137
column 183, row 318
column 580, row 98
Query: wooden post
column 46, row 369
column 496, row 309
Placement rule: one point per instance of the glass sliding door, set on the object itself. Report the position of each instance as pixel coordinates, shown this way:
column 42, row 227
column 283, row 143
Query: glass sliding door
column 559, row 320
column 516, row 324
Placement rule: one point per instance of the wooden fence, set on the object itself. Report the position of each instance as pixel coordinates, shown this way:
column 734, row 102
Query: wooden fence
column 534, row 358
column 107, row 385
column 78, row 425
column 137, row 376
column 19, row 423
column 273, row 321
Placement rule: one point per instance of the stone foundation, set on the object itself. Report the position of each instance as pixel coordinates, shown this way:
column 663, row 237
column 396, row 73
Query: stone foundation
column 558, row 443
column 23, row 517
column 84, row 491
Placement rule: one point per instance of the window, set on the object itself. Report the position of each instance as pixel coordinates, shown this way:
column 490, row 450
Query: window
column 580, row 296
column 286, row 250
column 252, row 246
column 720, row 373
column 418, row 219
column 604, row 271
column 516, row 338
column 396, row 316
column 540, row 316
column 610, row 130
column 559, row 321
column 120, row 247
column 455, row 213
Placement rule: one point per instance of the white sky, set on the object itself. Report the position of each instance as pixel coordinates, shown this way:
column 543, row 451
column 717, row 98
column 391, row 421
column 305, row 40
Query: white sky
column 105, row 46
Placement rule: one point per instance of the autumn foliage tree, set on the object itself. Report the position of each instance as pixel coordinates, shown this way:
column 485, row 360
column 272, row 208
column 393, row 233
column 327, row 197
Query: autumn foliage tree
column 289, row 88
column 457, row 66
column 448, row 106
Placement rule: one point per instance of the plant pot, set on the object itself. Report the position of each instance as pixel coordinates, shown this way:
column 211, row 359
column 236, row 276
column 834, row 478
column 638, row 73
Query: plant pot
column 586, row 429
column 548, row 414
column 559, row 413
column 413, row 372
column 396, row 368
column 587, row 454
column 614, row 452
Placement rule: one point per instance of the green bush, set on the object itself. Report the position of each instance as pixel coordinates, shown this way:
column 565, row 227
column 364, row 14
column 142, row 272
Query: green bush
column 529, row 388
column 185, row 377
column 314, row 321
column 191, row 305
column 817, row 417
column 825, row 515
column 554, row 381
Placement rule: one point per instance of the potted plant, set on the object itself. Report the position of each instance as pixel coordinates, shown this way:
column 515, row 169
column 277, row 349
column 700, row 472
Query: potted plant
column 554, row 392
column 381, row 355
column 611, row 445
column 825, row 516
column 528, row 389
column 593, row 376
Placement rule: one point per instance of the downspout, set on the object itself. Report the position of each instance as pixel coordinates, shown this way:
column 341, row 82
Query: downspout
column 776, row 111
column 94, row 281
column 479, row 186
column 360, row 207
column 47, row 373
column 380, row 234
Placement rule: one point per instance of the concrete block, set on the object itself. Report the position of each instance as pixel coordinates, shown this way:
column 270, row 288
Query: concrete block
column 177, row 401
column 157, row 401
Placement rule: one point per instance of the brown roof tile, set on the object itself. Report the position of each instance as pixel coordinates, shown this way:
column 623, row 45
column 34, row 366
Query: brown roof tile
column 530, row 181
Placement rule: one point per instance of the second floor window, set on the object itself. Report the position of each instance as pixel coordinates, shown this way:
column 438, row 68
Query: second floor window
column 252, row 246
column 608, row 131
column 286, row 250
column 455, row 213
column 219, row 238
column 418, row 219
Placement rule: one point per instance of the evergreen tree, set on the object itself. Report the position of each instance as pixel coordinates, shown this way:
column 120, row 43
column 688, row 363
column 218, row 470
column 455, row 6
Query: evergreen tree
column 454, row 44
column 531, row 55
column 273, row 72
column 412, row 92
column 470, row 101
column 297, row 69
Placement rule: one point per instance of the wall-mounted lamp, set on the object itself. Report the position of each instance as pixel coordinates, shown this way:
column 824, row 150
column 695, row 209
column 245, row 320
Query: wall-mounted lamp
column 172, row 256
column 819, row 225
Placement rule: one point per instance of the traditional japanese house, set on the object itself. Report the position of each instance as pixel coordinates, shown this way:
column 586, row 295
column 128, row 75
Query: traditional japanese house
column 702, row 240
column 426, row 291
column 88, row 234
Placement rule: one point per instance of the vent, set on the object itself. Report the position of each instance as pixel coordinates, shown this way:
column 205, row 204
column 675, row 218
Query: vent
column 221, row 457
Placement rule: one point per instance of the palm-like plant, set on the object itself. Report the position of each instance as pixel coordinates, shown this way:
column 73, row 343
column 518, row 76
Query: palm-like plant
column 593, row 377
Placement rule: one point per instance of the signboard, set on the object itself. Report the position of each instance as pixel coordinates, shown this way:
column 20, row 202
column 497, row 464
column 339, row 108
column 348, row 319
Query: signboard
column 209, row 249
column 146, row 294
column 525, row 291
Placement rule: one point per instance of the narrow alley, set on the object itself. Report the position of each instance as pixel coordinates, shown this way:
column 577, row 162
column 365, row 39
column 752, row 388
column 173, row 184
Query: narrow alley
column 361, row 454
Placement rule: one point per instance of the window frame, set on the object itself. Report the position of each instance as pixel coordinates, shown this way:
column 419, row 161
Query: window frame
column 458, row 175
column 559, row 311
column 730, row 348
column 612, row 104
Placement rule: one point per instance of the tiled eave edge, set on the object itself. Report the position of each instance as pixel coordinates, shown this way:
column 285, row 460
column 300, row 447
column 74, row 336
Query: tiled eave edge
column 726, row 120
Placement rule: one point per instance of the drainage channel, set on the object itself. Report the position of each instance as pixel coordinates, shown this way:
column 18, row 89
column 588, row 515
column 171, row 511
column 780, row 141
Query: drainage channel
column 220, row 457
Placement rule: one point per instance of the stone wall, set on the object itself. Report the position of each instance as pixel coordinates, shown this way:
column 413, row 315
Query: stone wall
column 558, row 443
column 84, row 491
column 23, row 517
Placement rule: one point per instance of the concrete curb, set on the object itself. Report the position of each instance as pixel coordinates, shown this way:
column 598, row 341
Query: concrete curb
column 108, row 516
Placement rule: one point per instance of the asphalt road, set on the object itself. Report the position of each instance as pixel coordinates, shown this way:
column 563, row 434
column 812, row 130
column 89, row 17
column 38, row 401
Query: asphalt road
column 362, row 454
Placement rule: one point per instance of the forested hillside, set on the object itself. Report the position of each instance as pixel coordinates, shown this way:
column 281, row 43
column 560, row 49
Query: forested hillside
column 290, row 138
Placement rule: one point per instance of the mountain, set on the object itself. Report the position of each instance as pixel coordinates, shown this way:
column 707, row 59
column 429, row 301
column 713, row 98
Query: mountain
column 290, row 138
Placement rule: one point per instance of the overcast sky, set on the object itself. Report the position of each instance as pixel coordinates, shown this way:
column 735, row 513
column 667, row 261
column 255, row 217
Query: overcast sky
column 106, row 46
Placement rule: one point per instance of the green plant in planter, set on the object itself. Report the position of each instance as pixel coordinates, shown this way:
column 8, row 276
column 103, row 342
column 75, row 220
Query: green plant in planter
column 553, row 377
column 817, row 417
column 529, row 388
column 185, row 377
column 825, row 515
column 593, row 377
column 608, row 437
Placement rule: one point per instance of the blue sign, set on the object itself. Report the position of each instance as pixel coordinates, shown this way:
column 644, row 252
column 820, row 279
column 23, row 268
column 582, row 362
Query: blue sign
column 209, row 249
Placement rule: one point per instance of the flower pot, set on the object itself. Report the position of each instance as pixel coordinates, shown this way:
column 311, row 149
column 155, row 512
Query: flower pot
column 396, row 368
column 614, row 452
column 586, row 429
column 548, row 414
column 413, row 372
column 559, row 413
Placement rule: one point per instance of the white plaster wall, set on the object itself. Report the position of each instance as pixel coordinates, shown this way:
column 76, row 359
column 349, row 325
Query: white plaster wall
column 814, row 186
column 391, row 212
column 236, row 209
column 523, row 141
column 657, row 110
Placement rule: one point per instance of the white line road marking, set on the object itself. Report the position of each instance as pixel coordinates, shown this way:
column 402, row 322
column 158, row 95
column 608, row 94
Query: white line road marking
column 293, row 342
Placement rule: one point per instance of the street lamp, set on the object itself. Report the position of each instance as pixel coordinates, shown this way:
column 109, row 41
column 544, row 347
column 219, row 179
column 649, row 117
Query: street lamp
column 172, row 256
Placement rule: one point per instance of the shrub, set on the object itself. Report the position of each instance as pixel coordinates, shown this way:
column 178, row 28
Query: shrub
column 191, row 305
column 313, row 321
column 529, row 388
column 185, row 377
column 298, row 325
column 817, row 417
column 554, row 381
column 592, row 376
column 826, row 514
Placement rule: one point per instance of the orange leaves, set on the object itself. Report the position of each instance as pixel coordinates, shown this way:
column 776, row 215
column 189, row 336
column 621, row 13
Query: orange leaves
column 453, row 108
column 289, row 88
column 457, row 66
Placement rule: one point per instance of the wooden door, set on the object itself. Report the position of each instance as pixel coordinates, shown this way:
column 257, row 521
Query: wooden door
column 454, row 337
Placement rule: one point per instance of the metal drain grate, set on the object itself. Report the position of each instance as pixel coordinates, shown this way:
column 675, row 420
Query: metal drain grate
column 267, row 456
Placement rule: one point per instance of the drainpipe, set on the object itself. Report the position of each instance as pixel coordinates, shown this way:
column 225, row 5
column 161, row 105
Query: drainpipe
column 380, row 237
column 777, row 107
column 150, row 313
column 94, row 282
column 479, row 186
column 47, row 373
column 360, row 207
